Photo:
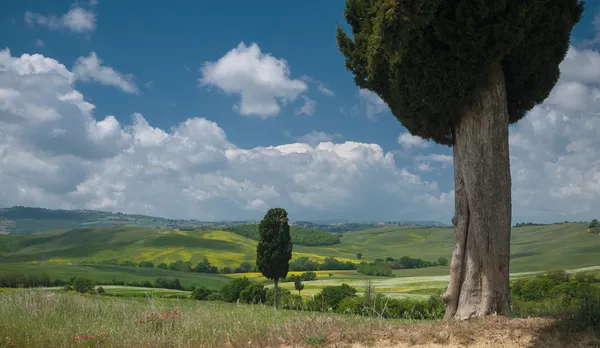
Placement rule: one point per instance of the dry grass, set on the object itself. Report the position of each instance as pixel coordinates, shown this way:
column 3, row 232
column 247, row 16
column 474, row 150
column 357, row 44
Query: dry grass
column 46, row 319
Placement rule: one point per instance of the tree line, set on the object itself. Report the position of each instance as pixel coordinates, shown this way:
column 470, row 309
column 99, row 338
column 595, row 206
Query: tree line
column 299, row 236
column 594, row 226
column 343, row 299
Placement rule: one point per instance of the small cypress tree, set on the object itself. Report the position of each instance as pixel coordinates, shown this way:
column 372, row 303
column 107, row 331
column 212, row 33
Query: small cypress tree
column 298, row 285
column 274, row 249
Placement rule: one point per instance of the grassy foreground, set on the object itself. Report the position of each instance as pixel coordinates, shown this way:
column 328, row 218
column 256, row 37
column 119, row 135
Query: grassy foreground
column 30, row 318
column 33, row 318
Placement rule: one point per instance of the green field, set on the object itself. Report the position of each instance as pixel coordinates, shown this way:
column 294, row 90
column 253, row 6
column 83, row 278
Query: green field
column 57, row 253
column 105, row 273
column 533, row 248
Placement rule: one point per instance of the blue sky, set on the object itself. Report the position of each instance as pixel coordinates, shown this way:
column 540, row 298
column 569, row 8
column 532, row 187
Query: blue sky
column 131, row 58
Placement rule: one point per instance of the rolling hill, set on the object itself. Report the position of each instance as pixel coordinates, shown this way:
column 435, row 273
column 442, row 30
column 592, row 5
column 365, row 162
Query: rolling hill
column 533, row 248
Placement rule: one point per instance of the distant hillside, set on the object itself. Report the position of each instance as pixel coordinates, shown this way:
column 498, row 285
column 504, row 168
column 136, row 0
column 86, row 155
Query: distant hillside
column 533, row 248
column 28, row 220
column 300, row 236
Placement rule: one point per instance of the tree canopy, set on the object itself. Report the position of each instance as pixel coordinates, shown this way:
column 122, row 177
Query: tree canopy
column 425, row 58
column 274, row 249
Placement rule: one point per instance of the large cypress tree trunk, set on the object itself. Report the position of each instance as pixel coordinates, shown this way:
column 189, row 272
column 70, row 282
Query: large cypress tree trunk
column 479, row 273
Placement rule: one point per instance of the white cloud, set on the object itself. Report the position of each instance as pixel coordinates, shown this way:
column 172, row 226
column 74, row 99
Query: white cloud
column 555, row 167
column 39, row 43
column 435, row 157
column 308, row 108
column 320, row 85
column 91, row 68
column 316, row 137
column 325, row 90
column 54, row 153
column 149, row 84
column 373, row 104
column 262, row 81
column 424, row 167
column 77, row 20
column 408, row 141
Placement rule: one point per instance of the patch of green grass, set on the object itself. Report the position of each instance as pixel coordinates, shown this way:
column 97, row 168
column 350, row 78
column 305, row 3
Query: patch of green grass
column 52, row 319
column 105, row 273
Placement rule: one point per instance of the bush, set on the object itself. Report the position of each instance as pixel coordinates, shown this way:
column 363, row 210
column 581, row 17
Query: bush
column 558, row 276
column 148, row 264
column 215, row 296
column 333, row 295
column 83, row 285
column 232, row 290
column 100, row 290
column 283, row 294
column 587, row 314
column 168, row 283
column 536, row 289
column 201, row 293
column 254, row 293
column 375, row 269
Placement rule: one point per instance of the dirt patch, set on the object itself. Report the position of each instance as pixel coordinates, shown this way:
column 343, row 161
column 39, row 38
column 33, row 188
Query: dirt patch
column 493, row 332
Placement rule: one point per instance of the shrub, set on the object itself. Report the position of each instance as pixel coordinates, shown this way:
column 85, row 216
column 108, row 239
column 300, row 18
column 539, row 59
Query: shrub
column 587, row 313
column 350, row 305
column 558, row 276
column 100, row 290
column 148, row 264
column 215, row 296
column 83, row 285
column 536, row 289
column 201, row 293
column 232, row 290
column 283, row 293
column 333, row 295
column 168, row 283
column 254, row 293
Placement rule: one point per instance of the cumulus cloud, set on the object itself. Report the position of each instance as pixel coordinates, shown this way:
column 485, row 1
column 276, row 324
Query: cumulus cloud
column 555, row 164
column 55, row 153
column 408, row 141
column 316, row 137
column 77, row 20
column 262, row 81
column 373, row 104
column 91, row 68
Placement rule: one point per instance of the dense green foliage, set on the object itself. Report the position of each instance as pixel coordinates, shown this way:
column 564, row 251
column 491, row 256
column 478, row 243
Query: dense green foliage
column 232, row 290
column 328, row 264
column 375, row 269
column 274, row 248
column 333, row 295
column 594, row 226
column 253, row 293
column 82, row 285
column 300, row 236
column 201, row 293
column 425, row 59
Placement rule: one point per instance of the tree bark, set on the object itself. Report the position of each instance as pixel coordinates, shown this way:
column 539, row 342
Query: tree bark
column 479, row 272
column 276, row 293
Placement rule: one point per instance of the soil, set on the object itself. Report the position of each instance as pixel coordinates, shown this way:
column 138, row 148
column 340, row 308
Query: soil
column 492, row 332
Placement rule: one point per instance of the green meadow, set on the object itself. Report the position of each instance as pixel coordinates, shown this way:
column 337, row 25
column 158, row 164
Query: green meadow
column 59, row 254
